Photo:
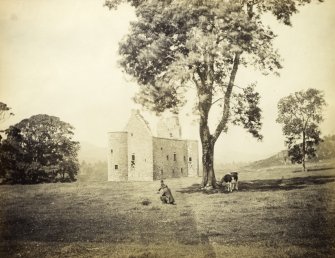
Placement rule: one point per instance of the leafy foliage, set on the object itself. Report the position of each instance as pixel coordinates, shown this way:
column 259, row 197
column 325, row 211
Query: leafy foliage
column 300, row 113
column 175, row 45
column 247, row 112
column 4, row 111
column 39, row 149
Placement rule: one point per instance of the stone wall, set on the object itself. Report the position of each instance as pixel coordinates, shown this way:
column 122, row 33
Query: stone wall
column 170, row 158
column 117, row 156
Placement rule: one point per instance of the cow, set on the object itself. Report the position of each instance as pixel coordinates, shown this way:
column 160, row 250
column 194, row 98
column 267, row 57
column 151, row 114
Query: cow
column 231, row 181
column 234, row 181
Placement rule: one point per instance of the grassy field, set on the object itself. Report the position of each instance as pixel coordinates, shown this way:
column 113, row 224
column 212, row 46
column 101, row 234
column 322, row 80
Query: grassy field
column 278, row 212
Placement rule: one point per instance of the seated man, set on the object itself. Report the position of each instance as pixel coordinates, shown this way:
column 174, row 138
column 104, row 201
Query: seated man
column 166, row 195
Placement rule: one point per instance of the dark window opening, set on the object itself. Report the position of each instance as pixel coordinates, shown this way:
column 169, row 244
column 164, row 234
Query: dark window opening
column 112, row 151
column 190, row 159
column 171, row 135
column 116, row 167
column 167, row 157
column 184, row 158
column 181, row 170
column 161, row 148
column 131, row 134
column 172, row 171
column 132, row 162
column 174, row 156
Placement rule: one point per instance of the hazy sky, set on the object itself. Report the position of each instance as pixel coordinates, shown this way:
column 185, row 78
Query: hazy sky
column 59, row 57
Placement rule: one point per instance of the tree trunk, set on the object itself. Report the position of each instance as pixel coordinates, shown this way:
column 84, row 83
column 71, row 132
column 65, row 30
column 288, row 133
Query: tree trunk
column 303, row 150
column 209, row 179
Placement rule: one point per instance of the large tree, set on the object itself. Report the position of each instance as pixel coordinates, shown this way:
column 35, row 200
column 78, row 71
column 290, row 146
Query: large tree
column 300, row 114
column 39, row 149
column 175, row 45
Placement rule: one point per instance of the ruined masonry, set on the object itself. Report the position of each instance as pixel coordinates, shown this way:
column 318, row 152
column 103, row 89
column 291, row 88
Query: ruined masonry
column 136, row 155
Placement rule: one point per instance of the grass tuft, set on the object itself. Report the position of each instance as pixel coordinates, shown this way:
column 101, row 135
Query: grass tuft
column 146, row 202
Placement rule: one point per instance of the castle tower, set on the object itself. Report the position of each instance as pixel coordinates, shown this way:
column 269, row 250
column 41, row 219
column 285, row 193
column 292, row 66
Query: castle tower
column 136, row 155
column 169, row 127
column 118, row 156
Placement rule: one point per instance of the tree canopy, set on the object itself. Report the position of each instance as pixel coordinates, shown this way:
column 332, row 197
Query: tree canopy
column 300, row 114
column 39, row 149
column 175, row 45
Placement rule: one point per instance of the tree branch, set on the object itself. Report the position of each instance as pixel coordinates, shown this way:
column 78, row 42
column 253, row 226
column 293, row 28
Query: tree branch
column 225, row 115
column 216, row 101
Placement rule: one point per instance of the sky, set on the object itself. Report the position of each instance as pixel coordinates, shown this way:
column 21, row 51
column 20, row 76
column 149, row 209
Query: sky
column 59, row 57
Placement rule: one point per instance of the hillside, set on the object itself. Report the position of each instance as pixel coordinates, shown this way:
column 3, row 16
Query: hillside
column 276, row 160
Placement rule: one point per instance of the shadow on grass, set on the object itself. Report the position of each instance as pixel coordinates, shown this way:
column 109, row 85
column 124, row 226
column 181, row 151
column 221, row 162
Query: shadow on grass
column 266, row 185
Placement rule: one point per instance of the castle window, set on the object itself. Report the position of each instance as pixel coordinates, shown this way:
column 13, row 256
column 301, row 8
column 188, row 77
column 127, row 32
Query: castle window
column 116, row 167
column 173, row 171
column 181, row 170
column 161, row 148
column 174, row 156
column 132, row 162
column 131, row 134
column 184, row 158
column 112, row 151
column 171, row 135
column 167, row 157
column 190, row 159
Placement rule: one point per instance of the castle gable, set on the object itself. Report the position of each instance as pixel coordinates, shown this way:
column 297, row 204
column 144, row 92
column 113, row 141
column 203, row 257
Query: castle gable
column 137, row 122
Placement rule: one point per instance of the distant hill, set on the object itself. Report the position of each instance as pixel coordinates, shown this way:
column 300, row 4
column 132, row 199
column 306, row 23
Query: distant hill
column 324, row 151
column 91, row 153
column 276, row 160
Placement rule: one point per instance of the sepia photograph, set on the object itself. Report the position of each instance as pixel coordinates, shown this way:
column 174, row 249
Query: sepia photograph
column 167, row 128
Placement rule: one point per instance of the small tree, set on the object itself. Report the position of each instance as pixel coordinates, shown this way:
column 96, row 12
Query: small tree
column 39, row 149
column 300, row 113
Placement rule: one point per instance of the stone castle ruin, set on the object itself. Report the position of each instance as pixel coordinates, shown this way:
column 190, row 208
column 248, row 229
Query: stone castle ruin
column 136, row 155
